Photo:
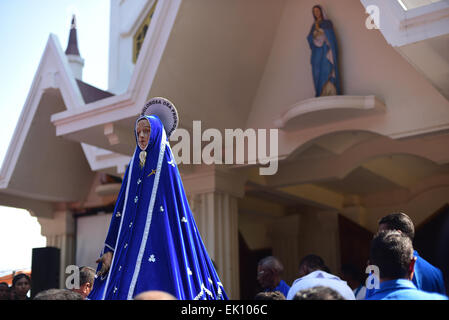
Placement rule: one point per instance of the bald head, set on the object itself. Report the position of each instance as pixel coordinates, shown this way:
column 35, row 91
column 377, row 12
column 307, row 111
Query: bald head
column 272, row 263
column 154, row 295
column 269, row 271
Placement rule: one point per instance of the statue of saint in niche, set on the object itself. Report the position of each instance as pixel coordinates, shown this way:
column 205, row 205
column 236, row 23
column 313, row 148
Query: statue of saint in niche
column 324, row 58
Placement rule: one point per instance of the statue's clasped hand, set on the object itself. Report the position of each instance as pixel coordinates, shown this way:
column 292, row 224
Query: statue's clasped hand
column 105, row 261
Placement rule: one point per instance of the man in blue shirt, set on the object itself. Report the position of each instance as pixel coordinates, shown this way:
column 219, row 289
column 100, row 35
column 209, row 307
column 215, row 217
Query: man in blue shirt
column 426, row 276
column 269, row 272
column 392, row 252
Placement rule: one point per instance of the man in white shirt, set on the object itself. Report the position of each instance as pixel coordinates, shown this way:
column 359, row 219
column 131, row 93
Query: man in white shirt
column 317, row 277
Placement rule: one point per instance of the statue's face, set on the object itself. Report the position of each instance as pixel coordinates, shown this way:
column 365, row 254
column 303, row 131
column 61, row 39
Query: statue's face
column 143, row 133
column 317, row 13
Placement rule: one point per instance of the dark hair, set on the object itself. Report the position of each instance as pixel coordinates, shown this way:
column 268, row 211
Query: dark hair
column 19, row 276
column 391, row 251
column 399, row 221
column 4, row 284
column 321, row 10
column 270, row 295
column 58, row 294
column 87, row 275
column 313, row 263
column 273, row 263
column 318, row 293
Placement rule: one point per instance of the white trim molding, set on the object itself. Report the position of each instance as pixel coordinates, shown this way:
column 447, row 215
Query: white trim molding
column 130, row 103
column 52, row 73
column 322, row 110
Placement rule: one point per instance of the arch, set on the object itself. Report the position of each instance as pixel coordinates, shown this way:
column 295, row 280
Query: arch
column 363, row 153
column 322, row 166
column 302, row 146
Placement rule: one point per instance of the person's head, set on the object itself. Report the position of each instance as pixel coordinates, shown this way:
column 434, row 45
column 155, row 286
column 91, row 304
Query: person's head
column 58, row 294
column 143, row 132
column 21, row 284
column 392, row 252
column 311, row 263
column 154, row 295
column 271, row 295
column 317, row 11
column 87, row 277
column 398, row 221
column 4, row 291
column 318, row 293
column 269, row 271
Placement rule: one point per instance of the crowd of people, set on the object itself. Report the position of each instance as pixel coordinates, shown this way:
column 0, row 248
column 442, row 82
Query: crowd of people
column 21, row 284
column 402, row 275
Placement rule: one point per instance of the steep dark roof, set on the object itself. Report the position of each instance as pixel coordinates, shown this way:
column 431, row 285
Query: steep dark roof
column 72, row 46
column 91, row 93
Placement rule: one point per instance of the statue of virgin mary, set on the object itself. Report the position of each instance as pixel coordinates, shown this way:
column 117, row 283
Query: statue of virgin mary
column 324, row 58
column 153, row 242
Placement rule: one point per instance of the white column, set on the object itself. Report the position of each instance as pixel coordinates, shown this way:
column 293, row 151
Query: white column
column 212, row 195
column 60, row 233
column 297, row 235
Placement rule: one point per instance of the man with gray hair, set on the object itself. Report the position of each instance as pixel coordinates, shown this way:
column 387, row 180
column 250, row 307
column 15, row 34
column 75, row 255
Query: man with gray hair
column 87, row 277
column 58, row 294
column 269, row 272
column 318, row 293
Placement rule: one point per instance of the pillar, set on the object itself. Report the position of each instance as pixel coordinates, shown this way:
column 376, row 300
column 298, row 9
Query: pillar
column 303, row 233
column 60, row 233
column 212, row 193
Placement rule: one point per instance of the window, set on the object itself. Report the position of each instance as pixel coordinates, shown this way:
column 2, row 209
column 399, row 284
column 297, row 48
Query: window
column 141, row 32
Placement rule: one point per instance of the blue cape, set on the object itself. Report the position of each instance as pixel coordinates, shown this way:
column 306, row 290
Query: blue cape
column 153, row 236
column 321, row 66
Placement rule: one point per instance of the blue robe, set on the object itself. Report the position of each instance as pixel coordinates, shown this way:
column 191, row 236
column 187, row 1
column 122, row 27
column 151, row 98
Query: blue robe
column 153, row 236
column 321, row 66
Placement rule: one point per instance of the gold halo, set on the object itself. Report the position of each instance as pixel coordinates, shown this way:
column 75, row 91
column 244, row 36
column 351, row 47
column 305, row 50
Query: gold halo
column 166, row 112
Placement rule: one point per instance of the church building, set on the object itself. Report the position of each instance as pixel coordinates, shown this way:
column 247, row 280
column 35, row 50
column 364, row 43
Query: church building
column 343, row 161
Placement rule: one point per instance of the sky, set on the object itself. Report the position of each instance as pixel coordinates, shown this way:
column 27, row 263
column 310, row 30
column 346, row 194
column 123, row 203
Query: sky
column 25, row 26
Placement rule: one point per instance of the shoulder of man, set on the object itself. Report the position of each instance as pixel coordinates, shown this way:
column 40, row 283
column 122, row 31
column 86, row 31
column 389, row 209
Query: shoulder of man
column 428, row 270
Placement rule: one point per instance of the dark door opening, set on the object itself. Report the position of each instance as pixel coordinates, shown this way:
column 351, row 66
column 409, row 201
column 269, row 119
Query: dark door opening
column 249, row 286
